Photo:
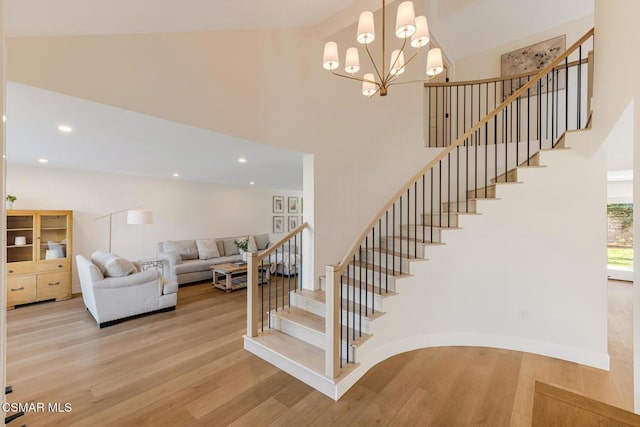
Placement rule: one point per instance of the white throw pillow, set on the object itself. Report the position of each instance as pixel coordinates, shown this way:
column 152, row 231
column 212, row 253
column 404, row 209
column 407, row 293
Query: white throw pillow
column 207, row 249
column 118, row 267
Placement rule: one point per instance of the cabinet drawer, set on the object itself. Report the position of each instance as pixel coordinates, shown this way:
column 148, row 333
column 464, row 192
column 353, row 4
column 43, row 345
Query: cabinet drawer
column 54, row 285
column 21, row 289
column 22, row 268
column 54, row 265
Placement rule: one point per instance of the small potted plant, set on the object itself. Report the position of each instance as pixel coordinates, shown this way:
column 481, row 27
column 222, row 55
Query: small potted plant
column 10, row 199
column 243, row 246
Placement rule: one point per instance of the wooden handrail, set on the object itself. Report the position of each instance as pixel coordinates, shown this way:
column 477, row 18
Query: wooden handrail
column 262, row 255
column 505, row 78
column 514, row 96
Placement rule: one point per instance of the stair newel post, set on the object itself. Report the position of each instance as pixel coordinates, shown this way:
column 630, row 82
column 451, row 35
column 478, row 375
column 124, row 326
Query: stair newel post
column 332, row 321
column 253, row 308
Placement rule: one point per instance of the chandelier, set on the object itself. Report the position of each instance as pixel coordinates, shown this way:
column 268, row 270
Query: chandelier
column 408, row 27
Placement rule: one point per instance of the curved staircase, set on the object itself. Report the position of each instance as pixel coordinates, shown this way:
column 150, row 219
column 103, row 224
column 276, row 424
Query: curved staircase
column 322, row 336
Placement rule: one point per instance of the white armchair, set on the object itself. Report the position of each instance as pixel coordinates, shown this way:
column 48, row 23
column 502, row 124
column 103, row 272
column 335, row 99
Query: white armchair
column 112, row 299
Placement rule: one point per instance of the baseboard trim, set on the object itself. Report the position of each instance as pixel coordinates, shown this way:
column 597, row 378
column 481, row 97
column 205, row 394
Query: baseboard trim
column 135, row 316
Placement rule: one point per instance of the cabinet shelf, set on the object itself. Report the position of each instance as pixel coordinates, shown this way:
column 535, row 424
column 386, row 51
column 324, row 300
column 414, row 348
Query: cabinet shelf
column 19, row 229
column 53, row 228
column 19, row 246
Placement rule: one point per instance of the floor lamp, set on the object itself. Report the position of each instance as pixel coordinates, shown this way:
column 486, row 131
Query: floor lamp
column 134, row 217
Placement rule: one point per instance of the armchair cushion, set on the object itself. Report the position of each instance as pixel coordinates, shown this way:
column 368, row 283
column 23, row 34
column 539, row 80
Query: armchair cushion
column 126, row 281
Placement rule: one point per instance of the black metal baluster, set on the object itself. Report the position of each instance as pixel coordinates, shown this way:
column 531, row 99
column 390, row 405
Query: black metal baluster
column 539, row 115
column 579, row 108
column 360, row 290
column 415, row 218
column 430, row 142
column 408, row 229
column 566, row 94
column 423, row 208
column 401, row 235
column 353, row 311
column 386, row 252
column 341, row 338
column 436, row 118
column 262, row 297
column 269, row 292
column 393, row 241
column 366, row 275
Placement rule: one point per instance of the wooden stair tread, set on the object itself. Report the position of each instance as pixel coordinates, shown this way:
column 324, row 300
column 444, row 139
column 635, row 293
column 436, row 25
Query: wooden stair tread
column 370, row 288
column 320, row 296
column 426, row 226
column 379, row 269
column 396, row 253
column 300, row 352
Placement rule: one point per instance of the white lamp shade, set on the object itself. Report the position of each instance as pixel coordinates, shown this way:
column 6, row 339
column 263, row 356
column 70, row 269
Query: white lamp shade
column 434, row 62
column 330, row 59
column 421, row 36
column 366, row 31
column 405, row 20
column 368, row 87
column 139, row 217
column 397, row 63
column 352, row 62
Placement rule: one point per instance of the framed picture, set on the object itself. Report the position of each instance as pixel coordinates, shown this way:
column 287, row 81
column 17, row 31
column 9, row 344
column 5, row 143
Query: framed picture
column 278, row 224
column 301, row 206
column 531, row 59
column 292, row 204
column 278, row 204
column 294, row 222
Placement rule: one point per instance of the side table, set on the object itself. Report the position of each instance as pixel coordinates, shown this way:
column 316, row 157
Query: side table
column 161, row 265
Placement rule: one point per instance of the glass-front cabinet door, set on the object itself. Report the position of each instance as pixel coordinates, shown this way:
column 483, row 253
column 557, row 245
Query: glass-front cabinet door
column 54, row 236
column 21, row 239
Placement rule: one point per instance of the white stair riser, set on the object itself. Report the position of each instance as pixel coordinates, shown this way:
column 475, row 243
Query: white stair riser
column 371, row 277
column 369, row 295
column 462, row 206
column 391, row 244
column 309, row 304
column 286, row 326
column 440, row 220
column 364, row 325
column 384, row 260
column 483, row 193
column 418, row 232
column 318, row 308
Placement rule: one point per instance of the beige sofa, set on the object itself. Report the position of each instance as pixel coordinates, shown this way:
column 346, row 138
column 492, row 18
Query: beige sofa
column 191, row 260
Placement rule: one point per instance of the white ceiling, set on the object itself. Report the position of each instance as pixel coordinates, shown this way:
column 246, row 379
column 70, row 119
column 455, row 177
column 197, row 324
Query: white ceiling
column 110, row 139
column 75, row 17
column 465, row 27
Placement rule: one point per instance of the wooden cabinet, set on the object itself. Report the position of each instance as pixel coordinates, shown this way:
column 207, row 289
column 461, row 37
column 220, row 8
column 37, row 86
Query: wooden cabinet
column 38, row 256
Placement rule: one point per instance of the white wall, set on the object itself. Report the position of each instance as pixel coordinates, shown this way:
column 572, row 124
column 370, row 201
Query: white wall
column 617, row 88
column 277, row 93
column 182, row 210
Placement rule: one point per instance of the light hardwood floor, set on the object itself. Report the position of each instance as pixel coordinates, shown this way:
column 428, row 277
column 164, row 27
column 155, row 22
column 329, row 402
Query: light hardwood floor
column 188, row 367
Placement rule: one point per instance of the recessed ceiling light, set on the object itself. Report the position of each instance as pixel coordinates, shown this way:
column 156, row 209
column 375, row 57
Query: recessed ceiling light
column 176, row 174
column 65, row 129
column 43, row 160
column 242, row 160
column 252, row 183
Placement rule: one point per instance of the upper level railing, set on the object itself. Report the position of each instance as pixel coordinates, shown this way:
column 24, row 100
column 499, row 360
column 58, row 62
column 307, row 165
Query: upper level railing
column 482, row 149
column 271, row 276
column 452, row 108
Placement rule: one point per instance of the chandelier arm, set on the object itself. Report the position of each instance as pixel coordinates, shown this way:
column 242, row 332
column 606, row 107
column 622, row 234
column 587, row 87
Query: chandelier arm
column 359, row 79
column 387, row 77
column 374, row 93
column 413, row 56
column 375, row 67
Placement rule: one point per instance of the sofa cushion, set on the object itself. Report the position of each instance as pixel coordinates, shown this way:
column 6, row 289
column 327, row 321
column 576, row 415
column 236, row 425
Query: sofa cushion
column 100, row 259
column 262, row 241
column 187, row 249
column 194, row 265
column 207, row 248
column 230, row 247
